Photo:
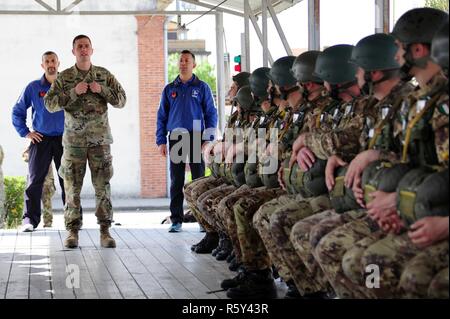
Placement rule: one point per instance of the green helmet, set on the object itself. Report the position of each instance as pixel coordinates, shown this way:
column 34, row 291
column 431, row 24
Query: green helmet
column 269, row 180
column 382, row 176
column 422, row 193
column 245, row 99
column 375, row 52
column 342, row 198
column 303, row 67
column 419, row 25
column 280, row 73
column 237, row 172
column 241, row 79
column 259, row 82
column 332, row 65
column 252, row 178
column 439, row 47
column 312, row 182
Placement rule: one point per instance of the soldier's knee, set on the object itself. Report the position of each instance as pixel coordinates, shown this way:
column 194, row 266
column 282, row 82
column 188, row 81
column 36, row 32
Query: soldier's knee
column 351, row 265
column 415, row 280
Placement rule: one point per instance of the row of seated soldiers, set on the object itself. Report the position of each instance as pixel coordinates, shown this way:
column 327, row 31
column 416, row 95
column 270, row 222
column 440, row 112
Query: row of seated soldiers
column 358, row 206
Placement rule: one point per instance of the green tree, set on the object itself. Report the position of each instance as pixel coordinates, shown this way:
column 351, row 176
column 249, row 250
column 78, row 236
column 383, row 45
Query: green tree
column 437, row 4
column 204, row 71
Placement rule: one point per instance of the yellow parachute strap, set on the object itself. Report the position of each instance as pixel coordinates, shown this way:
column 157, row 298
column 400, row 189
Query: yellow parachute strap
column 411, row 125
column 322, row 109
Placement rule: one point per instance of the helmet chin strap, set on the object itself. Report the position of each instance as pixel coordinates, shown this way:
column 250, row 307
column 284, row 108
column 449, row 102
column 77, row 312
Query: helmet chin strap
column 335, row 90
column 306, row 93
column 410, row 62
column 285, row 93
column 369, row 84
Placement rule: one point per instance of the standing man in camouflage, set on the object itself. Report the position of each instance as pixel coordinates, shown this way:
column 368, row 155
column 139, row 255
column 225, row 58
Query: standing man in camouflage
column 45, row 138
column 83, row 92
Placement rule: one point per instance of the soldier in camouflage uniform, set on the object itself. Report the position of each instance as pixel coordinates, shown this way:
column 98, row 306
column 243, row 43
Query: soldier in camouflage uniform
column 83, row 92
column 47, row 193
column 342, row 138
column 258, row 276
column 305, row 119
column 237, row 171
column 2, row 192
column 374, row 56
column 197, row 187
column 413, row 127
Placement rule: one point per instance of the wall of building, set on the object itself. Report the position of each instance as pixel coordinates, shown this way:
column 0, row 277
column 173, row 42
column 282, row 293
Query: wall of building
column 114, row 39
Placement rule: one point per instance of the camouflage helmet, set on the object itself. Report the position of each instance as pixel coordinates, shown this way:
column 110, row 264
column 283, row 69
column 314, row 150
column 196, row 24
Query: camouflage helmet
column 280, row 73
column 382, row 176
column 245, row 99
column 332, row 65
column 241, row 79
column 419, row 25
column 375, row 52
column 342, row 198
column 303, row 67
column 422, row 193
column 259, row 82
column 439, row 47
column 312, row 182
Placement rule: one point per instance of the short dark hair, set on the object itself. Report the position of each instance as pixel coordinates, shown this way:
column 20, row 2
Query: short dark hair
column 80, row 36
column 49, row 53
column 188, row 52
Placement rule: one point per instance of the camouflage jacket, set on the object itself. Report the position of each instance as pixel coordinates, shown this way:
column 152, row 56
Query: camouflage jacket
column 381, row 132
column 414, row 125
column 306, row 119
column 86, row 116
column 344, row 139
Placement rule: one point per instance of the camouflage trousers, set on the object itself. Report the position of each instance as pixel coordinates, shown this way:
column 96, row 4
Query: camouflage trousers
column 193, row 190
column 225, row 213
column 439, row 286
column 280, row 227
column 48, row 191
column 73, row 169
column 2, row 192
column 405, row 270
column 330, row 251
column 261, row 222
column 208, row 202
column 254, row 253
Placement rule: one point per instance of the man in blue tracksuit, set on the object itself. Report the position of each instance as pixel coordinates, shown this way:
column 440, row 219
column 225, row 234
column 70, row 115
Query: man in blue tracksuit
column 45, row 138
column 188, row 113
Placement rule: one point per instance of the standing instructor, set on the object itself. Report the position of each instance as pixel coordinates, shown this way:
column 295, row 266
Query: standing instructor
column 186, row 110
column 84, row 92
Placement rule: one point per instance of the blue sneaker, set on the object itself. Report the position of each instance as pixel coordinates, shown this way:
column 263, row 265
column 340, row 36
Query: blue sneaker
column 175, row 228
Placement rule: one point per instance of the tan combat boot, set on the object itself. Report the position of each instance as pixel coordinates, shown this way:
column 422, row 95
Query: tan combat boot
column 72, row 239
column 106, row 240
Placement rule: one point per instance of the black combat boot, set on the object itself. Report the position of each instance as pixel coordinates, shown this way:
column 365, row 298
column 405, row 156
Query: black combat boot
column 292, row 291
column 257, row 285
column 227, row 248
column 230, row 257
column 194, row 246
column 234, row 264
column 211, row 241
column 219, row 246
column 235, row 281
